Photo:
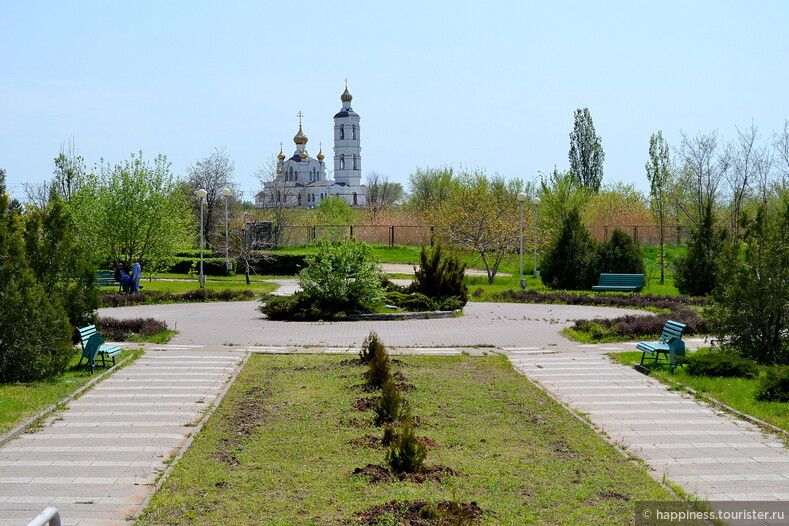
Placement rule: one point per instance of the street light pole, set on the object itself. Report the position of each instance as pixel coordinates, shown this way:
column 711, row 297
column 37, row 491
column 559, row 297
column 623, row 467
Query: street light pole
column 536, row 202
column 227, row 193
column 201, row 194
column 521, row 198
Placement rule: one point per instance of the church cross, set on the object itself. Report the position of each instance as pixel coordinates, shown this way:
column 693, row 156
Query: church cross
column 300, row 115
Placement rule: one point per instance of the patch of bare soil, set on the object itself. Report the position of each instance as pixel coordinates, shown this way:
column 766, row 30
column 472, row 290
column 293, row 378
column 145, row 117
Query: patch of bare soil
column 356, row 362
column 366, row 404
column 244, row 420
column 613, row 495
column 377, row 473
column 423, row 513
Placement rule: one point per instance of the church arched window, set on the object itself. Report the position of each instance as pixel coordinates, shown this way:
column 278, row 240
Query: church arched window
column 354, row 162
column 342, row 161
column 353, row 132
column 355, row 197
column 342, row 131
column 290, row 173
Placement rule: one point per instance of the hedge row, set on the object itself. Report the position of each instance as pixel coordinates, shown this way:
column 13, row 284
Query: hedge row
column 277, row 264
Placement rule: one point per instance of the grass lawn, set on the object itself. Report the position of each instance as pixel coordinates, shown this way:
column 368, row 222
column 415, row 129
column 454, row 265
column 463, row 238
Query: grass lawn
column 737, row 393
column 21, row 401
column 283, row 445
column 186, row 284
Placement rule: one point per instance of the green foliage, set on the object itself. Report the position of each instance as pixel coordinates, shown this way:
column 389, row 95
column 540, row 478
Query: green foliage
column 561, row 196
column 696, row 273
column 372, row 348
column 35, row 336
column 342, row 276
column 617, row 255
column 721, row 363
column 440, row 276
column 566, row 264
column 406, row 454
column 334, row 210
column 132, row 210
column 59, row 261
column 379, row 371
column 750, row 313
column 390, row 408
column 774, row 385
column 430, row 187
column 659, row 174
column 586, row 152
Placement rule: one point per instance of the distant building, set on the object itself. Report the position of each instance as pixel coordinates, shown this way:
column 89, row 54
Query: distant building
column 301, row 180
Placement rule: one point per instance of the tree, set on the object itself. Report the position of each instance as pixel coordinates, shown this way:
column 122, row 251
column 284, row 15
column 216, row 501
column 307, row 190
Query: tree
column 430, row 187
column 59, row 261
column 380, row 192
column 750, row 313
column 213, row 174
column 781, row 145
column 561, row 195
column 334, row 210
column 132, row 210
column 278, row 199
column 659, row 174
column 566, row 264
column 241, row 246
column 480, row 215
column 697, row 273
column 698, row 183
column 618, row 255
column 586, row 152
column 69, row 171
column 745, row 157
column 35, row 336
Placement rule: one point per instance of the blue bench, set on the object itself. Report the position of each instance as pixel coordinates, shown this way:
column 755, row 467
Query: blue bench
column 622, row 282
column 93, row 346
column 106, row 278
column 670, row 345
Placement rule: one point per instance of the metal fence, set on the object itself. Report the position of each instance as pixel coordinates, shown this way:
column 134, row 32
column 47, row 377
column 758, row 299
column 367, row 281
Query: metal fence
column 418, row 235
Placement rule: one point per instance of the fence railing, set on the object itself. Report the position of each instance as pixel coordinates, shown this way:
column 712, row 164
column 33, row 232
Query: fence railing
column 416, row 235
column 48, row 517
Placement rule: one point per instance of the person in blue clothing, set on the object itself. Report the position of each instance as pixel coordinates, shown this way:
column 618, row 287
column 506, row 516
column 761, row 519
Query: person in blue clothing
column 136, row 273
column 122, row 275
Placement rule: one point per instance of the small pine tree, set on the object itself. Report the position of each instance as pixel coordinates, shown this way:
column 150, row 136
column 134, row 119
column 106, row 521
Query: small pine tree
column 566, row 264
column 390, row 408
column 378, row 371
column 372, row 348
column 696, row 274
column 406, row 454
column 618, row 255
column 440, row 276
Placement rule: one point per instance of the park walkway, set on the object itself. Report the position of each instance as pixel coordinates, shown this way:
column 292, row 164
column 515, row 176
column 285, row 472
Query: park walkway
column 97, row 460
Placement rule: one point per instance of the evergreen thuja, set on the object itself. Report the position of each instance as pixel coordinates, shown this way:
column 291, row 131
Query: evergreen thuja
column 372, row 348
column 406, row 454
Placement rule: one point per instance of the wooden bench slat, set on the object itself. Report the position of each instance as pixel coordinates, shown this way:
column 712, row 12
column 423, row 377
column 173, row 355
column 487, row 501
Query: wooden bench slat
column 624, row 282
column 670, row 344
column 96, row 347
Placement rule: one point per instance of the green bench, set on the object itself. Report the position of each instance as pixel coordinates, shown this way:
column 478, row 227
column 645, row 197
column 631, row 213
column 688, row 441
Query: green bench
column 622, row 282
column 93, row 346
column 106, row 278
column 670, row 345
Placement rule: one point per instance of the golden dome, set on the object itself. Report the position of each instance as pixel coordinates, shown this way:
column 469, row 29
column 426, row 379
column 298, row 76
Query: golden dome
column 281, row 155
column 346, row 96
column 320, row 153
column 300, row 138
column 303, row 154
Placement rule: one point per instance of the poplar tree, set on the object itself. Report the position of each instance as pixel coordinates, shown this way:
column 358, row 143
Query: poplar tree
column 586, row 152
column 658, row 172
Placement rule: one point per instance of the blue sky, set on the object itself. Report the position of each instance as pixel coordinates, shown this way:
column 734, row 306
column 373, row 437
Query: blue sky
column 459, row 83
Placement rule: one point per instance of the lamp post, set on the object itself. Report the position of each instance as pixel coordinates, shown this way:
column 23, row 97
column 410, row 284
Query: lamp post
column 201, row 194
column 227, row 193
column 536, row 202
column 521, row 198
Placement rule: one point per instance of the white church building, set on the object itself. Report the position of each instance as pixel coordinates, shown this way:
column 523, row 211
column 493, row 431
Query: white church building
column 301, row 179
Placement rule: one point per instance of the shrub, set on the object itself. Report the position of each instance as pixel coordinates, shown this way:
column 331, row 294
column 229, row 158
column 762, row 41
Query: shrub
column 750, row 313
column 696, row 273
column 379, row 371
column 655, row 301
column 566, row 264
column 440, row 276
column 390, row 408
column 721, row 363
column 342, row 276
column 372, row 348
column 618, row 255
column 113, row 329
column 406, row 454
column 120, row 300
column 297, row 307
column 640, row 326
column 774, row 385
